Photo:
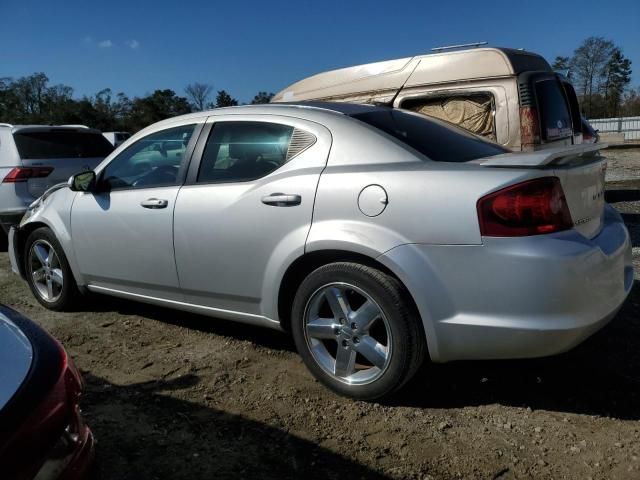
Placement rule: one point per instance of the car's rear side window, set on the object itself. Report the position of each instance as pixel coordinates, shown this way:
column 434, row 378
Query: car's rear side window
column 555, row 119
column 243, row 151
column 61, row 144
column 436, row 139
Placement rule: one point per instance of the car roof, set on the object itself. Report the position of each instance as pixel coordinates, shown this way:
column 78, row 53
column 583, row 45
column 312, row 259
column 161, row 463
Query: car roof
column 281, row 107
column 296, row 109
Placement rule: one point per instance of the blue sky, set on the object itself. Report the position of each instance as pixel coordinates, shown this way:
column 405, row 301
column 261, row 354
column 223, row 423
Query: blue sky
column 242, row 47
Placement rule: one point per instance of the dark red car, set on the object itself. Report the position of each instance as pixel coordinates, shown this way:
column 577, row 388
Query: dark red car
column 42, row 434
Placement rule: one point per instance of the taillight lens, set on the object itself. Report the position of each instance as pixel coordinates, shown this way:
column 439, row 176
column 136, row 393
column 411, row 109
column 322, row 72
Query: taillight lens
column 22, row 174
column 529, row 128
column 529, row 208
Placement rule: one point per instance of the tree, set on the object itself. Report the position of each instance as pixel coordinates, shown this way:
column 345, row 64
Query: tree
column 262, row 97
column 562, row 64
column 588, row 67
column 159, row 105
column 29, row 94
column 617, row 77
column 631, row 104
column 223, row 99
column 198, row 94
column 57, row 104
column 9, row 104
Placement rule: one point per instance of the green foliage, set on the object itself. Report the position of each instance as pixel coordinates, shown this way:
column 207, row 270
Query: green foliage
column 31, row 100
column 631, row 104
column 601, row 75
column 561, row 63
column 617, row 75
column 159, row 105
column 262, row 97
column 223, row 99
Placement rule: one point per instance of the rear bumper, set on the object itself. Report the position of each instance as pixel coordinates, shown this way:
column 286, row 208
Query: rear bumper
column 72, row 456
column 517, row 297
column 9, row 218
column 14, row 257
column 81, row 458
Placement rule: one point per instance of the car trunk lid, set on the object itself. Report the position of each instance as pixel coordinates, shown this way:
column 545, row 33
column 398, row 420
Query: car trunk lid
column 581, row 171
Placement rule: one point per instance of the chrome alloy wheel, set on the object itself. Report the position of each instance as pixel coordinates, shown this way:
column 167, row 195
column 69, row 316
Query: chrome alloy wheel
column 347, row 333
column 46, row 271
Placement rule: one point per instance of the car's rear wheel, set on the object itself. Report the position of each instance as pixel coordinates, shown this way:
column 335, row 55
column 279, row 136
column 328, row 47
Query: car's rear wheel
column 47, row 270
column 357, row 330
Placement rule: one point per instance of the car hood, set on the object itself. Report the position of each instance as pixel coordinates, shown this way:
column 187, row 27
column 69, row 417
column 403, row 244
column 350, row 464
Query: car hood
column 16, row 357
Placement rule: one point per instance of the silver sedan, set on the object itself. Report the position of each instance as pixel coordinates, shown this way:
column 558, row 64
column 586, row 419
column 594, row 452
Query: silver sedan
column 376, row 237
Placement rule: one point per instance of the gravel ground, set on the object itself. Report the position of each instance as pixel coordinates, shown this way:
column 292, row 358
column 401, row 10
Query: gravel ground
column 171, row 395
column 623, row 166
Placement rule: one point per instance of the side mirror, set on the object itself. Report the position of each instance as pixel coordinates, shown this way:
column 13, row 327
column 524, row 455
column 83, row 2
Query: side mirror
column 83, row 181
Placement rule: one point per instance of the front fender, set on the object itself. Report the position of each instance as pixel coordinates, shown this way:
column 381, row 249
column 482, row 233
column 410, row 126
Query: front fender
column 54, row 212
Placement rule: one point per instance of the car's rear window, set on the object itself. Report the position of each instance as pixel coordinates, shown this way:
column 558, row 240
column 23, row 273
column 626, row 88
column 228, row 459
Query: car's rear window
column 436, row 139
column 61, row 144
column 555, row 119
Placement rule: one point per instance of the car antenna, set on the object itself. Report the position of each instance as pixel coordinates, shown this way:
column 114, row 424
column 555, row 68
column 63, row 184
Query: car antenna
column 390, row 102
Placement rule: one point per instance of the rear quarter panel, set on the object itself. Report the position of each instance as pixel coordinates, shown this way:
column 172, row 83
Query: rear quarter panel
column 428, row 202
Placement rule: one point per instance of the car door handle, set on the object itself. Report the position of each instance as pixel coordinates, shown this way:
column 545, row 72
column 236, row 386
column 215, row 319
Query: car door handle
column 154, row 203
column 282, row 200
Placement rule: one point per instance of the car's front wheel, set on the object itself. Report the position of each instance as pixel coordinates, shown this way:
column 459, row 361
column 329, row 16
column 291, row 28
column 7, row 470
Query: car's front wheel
column 356, row 330
column 47, row 270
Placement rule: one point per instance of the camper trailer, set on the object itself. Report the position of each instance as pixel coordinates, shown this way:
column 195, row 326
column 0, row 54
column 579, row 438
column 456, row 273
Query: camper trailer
column 511, row 97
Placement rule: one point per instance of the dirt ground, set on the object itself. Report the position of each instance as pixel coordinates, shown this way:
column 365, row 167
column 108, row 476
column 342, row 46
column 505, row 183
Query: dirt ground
column 171, row 395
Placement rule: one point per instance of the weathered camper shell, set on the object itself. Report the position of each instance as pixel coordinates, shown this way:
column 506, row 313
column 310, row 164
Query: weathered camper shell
column 494, row 92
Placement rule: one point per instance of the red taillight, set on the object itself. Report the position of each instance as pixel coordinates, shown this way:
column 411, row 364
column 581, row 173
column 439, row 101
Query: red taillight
column 529, row 128
column 529, row 208
column 22, row 174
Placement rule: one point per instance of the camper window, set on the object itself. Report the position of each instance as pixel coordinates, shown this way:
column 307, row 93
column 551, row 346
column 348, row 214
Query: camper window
column 475, row 113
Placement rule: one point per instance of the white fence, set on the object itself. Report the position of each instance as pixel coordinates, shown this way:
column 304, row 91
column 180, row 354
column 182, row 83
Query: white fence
column 629, row 126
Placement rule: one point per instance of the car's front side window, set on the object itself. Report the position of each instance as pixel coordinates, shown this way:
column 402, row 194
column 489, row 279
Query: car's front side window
column 152, row 161
column 243, row 151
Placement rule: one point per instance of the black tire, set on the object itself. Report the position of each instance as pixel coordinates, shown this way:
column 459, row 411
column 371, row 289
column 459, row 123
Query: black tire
column 407, row 336
column 69, row 293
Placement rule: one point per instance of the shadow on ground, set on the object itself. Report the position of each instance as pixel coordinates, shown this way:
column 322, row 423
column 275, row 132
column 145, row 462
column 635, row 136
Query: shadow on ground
column 160, row 436
column 599, row 377
column 622, row 195
column 263, row 336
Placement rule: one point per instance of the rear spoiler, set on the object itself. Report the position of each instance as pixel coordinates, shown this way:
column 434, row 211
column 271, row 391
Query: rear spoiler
column 544, row 158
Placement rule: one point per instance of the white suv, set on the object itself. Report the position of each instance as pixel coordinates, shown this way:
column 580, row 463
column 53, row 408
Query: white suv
column 33, row 158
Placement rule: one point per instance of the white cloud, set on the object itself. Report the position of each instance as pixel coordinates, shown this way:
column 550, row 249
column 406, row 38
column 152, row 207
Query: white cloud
column 133, row 44
column 87, row 39
column 105, row 44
